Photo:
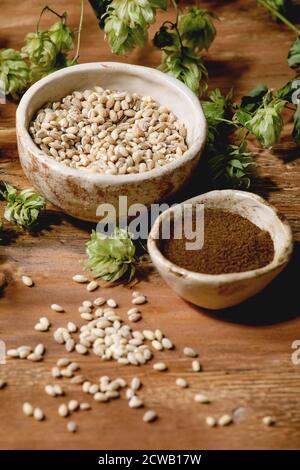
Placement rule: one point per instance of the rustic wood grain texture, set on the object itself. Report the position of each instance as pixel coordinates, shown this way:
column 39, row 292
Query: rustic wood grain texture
column 245, row 351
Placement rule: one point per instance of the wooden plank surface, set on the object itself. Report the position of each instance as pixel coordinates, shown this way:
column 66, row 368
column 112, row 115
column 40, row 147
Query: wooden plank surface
column 245, row 351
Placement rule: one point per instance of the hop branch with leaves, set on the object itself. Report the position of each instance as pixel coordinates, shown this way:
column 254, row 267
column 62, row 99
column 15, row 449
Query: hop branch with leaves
column 182, row 42
column 43, row 53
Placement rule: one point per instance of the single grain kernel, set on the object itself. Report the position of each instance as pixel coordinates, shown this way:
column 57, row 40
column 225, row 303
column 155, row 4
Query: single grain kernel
column 180, row 382
column 150, row 416
column 80, row 278
column 63, row 410
column 27, row 281
column 93, row 285
column 167, row 343
column 200, row 398
column 268, row 421
column 160, row 366
column 225, row 420
column 211, row 421
column 139, row 300
column 72, row 426
column 157, row 345
column 27, row 409
column 38, row 414
column 112, row 303
column 73, row 405
column 99, row 301
column 135, row 402
column 196, row 366
column 190, row 352
column 85, row 406
column 57, row 308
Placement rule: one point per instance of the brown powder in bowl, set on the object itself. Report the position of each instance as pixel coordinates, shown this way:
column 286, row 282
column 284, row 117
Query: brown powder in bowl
column 232, row 244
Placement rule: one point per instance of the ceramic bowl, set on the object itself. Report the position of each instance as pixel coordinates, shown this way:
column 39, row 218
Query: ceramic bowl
column 225, row 290
column 79, row 192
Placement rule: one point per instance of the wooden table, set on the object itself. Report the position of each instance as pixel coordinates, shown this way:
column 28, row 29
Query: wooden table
column 245, row 351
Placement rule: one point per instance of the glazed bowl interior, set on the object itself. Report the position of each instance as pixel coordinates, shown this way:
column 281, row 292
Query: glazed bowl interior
column 117, row 76
column 248, row 205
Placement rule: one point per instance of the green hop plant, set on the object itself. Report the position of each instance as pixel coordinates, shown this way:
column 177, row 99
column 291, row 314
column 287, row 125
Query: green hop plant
column 197, row 29
column 14, row 72
column 111, row 257
column 40, row 49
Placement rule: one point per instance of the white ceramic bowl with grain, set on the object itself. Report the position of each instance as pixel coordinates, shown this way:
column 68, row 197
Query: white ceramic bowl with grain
column 217, row 291
column 79, row 192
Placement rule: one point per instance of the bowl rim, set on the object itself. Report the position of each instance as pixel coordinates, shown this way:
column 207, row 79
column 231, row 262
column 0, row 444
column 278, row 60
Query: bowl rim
column 226, row 278
column 119, row 67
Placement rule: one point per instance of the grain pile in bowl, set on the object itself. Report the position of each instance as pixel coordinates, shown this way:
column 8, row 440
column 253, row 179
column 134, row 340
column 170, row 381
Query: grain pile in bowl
column 110, row 132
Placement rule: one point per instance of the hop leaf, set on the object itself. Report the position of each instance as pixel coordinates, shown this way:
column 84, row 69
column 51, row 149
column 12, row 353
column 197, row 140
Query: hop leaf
column 294, row 54
column 14, row 72
column 111, row 257
column 62, row 36
column 254, row 99
column 197, row 29
column 40, row 49
column 22, row 208
column 163, row 38
column 266, row 123
column 233, row 166
column 286, row 92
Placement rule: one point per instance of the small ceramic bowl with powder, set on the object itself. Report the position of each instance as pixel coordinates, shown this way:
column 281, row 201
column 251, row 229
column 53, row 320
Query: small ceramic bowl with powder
column 246, row 245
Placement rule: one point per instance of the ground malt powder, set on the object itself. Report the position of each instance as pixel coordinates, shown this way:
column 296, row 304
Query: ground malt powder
column 231, row 244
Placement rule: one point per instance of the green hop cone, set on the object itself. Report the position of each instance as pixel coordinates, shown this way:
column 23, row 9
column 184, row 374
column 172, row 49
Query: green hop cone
column 62, row 36
column 189, row 69
column 197, row 28
column 266, row 124
column 127, row 22
column 14, row 72
column 40, row 49
column 121, row 38
column 22, row 208
column 111, row 257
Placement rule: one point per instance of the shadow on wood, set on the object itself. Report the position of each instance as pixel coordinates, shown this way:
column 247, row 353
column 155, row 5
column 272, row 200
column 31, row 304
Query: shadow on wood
column 279, row 302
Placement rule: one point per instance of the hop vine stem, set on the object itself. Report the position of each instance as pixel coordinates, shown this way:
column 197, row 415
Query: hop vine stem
column 47, row 8
column 264, row 3
column 74, row 60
